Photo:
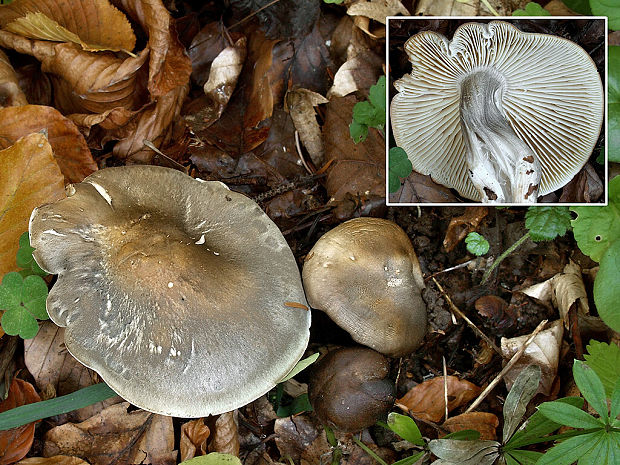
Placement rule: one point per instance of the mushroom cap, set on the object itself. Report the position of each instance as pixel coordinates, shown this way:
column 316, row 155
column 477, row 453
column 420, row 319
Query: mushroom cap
column 173, row 289
column 553, row 100
column 349, row 388
column 365, row 275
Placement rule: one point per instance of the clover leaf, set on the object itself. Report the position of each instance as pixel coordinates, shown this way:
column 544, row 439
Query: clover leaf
column 23, row 301
column 25, row 259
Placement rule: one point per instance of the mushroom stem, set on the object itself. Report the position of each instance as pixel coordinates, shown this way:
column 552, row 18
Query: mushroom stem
column 502, row 167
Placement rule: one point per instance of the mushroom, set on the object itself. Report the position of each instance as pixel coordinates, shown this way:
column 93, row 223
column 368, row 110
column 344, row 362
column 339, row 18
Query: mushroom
column 497, row 114
column 349, row 388
column 182, row 295
column 365, row 275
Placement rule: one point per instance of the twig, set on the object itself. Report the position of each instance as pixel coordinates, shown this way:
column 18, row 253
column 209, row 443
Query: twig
column 452, row 268
column 456, row 310
column 179, row 166
column 300, row 154
column 507, row 368
column 445, row 385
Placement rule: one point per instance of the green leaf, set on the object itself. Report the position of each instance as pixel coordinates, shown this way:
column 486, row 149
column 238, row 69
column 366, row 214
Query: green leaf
column 538, row 426
column 358, row 132
column 568, row 415
column 609, row 8
column 338, row 2
column 298, row 405
column 23, row 300
column 405, row 427
column 214, row 458
column 522, row 391
column 606, row 290
column 465, row 452
column 613, row 108
column 599, row 452
column 25, row 259
column 547, row 223
column 591, row 387
column 399, row 166
column 300, row 366
column 464, row 435
column 569, row 451
column 525, row 457
column 366, row 113
column 615, row 402
column 604, row 359
column 579, row 6
column 48, row 408
column 376, row 95
column 410, row 460
column 596, row 228
column 531, row 9
column 476, row 244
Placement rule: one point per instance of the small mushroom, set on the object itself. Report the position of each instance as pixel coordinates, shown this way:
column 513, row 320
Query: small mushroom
column 182, row 295
column 498, row 114
column 349, row 388
column 365, row 275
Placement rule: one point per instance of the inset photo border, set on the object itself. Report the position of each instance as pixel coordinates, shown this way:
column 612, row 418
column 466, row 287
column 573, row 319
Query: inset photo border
column 510, row 117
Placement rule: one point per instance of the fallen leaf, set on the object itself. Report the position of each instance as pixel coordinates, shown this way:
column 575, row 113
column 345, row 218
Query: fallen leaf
column 585, row 187
column 483, row 422
column 357, row 169
column 223, row 76
column 453, row 8
column 419, row 188
column 70, row 150
column 426, row 400
column 377, row 10
column 495, row 311
column 569, row 292
column 461, row 226
column 543, row 351
column 115, row 436
column 35, row 84
column 10, row 92
column 51, row 365
column 558, row 8
column 16, row 442
column 8, row 346
column 56, row 460
column 93, row 24
column 29, row 177
column 194, row 435
column 226, row 434
column 300, row 104
column 358, row 72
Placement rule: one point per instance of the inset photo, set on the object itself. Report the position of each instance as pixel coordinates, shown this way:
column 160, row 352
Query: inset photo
column 507, row 111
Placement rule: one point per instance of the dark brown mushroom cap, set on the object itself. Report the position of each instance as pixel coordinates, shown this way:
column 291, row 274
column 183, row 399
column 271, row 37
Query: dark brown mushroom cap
column 365, row 275
column 173, row 289
column 349, row 388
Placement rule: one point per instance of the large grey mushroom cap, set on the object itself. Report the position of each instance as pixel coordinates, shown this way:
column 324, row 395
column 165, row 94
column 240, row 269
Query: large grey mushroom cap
column 552, row 97
column 365, row 275
column 178, row 292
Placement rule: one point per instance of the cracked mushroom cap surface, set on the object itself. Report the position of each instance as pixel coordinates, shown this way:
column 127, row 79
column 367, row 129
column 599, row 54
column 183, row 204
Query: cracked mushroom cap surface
column 173, row 289
column 552, row 97
column 365, row 275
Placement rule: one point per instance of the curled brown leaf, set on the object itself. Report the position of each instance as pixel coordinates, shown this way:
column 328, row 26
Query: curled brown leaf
column 10, row 92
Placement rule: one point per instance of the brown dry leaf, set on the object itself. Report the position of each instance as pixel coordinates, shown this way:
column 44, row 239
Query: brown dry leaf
column 56, row 460
column 446, row 8
column 483, row 422
column 70, row 149
column 29, row 177
column 93, row 24
column 115, row 436
column 569, row 292
column 377, row 10
column 10, row 92
column 357, row 169
column 49, row 362
column 225, row 70
column 558, row 8
column 426, row 400
column 8, row 346
column 419, row 188
column 226, row 434
column 495, row 311
column 357, row 73
column 461, row 226
column 194, row 435
column 543, row 351
column 585, row 187
column 16, row 442
column 300, row 104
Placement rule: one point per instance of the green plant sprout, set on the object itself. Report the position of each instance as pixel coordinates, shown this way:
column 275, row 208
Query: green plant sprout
column 23, row 294
column 370, row 113
column 597, row 440
column 531, row 9
column 214, row 458
column 543, row 224
column 284, row 406
column 476, row 244
column 399, row 166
